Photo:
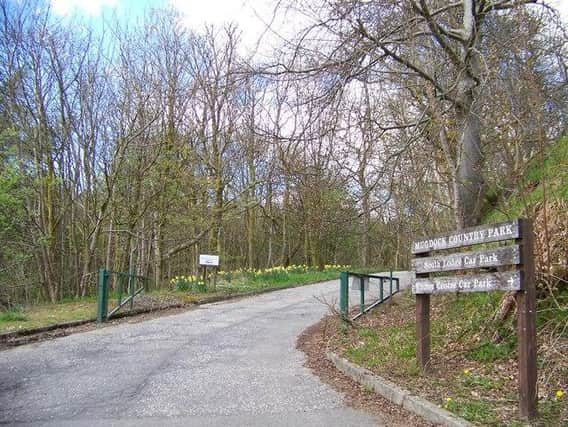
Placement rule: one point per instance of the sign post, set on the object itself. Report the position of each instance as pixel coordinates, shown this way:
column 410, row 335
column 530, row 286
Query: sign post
column 519, row 279
column 208, row 261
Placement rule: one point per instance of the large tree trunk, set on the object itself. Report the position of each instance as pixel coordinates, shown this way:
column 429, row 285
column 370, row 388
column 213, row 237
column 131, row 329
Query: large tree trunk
column 470, row 183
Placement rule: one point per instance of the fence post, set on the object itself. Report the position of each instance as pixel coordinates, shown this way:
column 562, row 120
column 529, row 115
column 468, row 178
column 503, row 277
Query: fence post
column 131, row 285
column 526, row 325
column 102, row 296
column 390, row 293
column 423, row 331
column 362, row 300
column 344, row 292
column 381, row 289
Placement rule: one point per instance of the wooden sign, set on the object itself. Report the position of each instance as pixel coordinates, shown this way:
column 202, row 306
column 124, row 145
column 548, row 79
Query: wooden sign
column 209, row 260
column 471, row 236
column 517, row 258
column 508, row 255
column 509, row 281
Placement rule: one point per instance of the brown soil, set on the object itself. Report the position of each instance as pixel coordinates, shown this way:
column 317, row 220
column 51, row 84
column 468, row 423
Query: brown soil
column 314, row 343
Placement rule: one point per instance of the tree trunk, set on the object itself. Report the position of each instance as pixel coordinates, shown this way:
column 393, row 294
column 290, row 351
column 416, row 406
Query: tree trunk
column 470, row 182
column 157, row 232
column 285, row 255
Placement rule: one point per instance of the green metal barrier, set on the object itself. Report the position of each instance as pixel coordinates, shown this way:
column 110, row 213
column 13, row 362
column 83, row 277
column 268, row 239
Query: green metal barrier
column 134, row 286
column 344, row 291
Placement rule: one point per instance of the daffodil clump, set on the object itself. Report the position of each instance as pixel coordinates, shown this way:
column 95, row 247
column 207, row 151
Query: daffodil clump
column 280, row 272
column 187, row 283
column 253, row 277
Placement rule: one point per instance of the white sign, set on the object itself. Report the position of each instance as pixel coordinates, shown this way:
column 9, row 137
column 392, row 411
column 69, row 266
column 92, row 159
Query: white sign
column 506, row 281
column 471, row 236
column 209, row 260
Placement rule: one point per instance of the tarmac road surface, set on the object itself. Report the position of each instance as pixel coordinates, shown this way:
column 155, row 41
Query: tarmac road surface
column 230, row 363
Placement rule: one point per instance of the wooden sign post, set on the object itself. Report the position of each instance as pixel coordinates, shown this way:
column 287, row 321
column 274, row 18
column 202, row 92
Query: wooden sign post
column 520, row 279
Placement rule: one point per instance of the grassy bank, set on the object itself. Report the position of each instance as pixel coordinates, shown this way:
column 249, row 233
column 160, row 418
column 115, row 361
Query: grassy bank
column 472, row 374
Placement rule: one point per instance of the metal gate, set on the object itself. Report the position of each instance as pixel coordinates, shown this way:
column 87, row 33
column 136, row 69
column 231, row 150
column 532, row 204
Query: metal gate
column 126, row 287
column 372, row 291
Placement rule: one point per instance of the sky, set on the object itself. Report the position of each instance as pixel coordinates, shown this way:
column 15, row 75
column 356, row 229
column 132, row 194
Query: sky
column 252, row 16
column 562, row 6
column 198, row 11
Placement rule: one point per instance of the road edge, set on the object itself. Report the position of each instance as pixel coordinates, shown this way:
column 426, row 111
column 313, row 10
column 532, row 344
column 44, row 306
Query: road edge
column 397, row 395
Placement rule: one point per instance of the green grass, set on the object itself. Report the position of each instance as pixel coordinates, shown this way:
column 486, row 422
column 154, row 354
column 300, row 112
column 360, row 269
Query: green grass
column 476, row 411
column 13, row 316
column 491, row 352
column 480, row 380
column 48, row 314
column 392, row 349
column 548, row 171
column 276, row 281
column 387, row 347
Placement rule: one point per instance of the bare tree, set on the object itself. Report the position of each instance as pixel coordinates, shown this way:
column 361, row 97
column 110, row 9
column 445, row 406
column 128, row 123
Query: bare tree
column 433, row 44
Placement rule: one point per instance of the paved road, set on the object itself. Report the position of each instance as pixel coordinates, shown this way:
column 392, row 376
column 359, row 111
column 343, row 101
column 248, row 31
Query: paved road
column 230, row 363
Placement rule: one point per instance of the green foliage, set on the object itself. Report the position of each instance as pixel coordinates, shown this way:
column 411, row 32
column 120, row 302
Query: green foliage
column 393, row 349
column 12, row 193
column 490, row 352
column 476, row 411
column 554, row 310
column 545, row 172
column 183, row 286
column 465, row 316
column 550, row 410
column 188, row 284
column 478, row 380
column 242, row 280
column 551, row 166
column 13, row 315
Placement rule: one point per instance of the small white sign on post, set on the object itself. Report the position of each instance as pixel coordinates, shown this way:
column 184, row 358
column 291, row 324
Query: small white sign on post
column 212, row 260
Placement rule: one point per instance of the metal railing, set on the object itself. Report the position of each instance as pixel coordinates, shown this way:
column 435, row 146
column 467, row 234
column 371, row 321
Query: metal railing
column 126, row 285
column 362, row 282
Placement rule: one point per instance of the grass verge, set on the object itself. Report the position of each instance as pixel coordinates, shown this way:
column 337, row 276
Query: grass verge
column 471, row 375
column 48, row 314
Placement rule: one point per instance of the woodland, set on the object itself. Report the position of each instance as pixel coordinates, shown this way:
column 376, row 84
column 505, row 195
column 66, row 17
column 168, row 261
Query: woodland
column 141, row 146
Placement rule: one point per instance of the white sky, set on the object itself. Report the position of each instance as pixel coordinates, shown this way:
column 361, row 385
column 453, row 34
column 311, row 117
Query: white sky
column 562, row 6
column 250, row 15
column 212, row 11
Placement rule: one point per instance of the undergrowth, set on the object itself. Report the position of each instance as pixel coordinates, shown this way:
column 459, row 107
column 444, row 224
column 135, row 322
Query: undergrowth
column 471, row 374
